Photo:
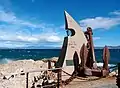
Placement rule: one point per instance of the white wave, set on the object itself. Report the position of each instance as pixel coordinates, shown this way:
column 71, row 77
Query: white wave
column 26, row 60
column 29, row 59
column 5, row 61
column 28, row 51
column 101, row 64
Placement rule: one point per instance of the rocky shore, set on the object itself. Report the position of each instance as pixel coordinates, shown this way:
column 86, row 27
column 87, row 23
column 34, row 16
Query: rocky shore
column 10, row 79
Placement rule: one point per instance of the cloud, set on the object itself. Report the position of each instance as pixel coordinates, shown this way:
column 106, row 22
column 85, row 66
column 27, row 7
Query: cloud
column 96, row 38
column 16, row 32
column 62, row 27
column 15, row 41
column 22, row 38
column 115, row 13
column 7, row 17
column 34, row 38
column 11, row 44
column 40, row 38
column 27, row 38
column 53, row 38
column 11, row 18
column 101, row 22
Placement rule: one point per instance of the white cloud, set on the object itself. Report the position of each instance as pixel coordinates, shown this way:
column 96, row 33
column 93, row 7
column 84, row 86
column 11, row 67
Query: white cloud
column 96, row 38
column 100, row 22
column 25, row 41
column 40, row 38
column 12, row 45
column 15, row 34
column 115, row 13
column 53, row 38
column 28, row 38
column 7, row 17
column 10, row 17
column 62, row 27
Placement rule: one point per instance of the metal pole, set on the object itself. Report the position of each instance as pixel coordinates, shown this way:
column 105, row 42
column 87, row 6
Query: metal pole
column 118, row 77
column 58, row 80
column 93, row 61
column 27, row 80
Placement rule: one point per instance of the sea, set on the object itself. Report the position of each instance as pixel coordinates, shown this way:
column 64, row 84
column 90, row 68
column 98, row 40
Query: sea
column 9, row 55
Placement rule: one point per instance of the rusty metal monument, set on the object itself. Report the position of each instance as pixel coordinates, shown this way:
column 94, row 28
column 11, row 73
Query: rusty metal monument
column 77, row 56
column 77, row 59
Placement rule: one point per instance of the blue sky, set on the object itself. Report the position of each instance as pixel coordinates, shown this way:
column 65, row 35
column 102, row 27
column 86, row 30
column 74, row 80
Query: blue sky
column 40, row 23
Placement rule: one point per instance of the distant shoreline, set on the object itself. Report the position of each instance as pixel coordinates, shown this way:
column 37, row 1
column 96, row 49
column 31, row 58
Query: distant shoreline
column 51, row 48
column 110, row 47
column 96, row 47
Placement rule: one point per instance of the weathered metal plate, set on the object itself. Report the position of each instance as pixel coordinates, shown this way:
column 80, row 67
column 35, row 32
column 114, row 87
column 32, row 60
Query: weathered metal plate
column 75, row 42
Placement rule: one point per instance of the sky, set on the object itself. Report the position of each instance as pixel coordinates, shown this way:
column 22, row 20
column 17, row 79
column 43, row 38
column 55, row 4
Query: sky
column 40, row 23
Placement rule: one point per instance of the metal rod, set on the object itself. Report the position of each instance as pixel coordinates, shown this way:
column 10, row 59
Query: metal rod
column 118, row 77
column 37, row 70
column 58, row 79
column 49, row 86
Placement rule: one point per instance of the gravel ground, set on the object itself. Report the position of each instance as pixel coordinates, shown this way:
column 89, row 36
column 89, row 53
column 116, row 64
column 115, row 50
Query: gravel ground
column 109, row 82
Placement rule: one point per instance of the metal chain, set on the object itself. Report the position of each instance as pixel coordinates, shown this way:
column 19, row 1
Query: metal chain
column 67, row 81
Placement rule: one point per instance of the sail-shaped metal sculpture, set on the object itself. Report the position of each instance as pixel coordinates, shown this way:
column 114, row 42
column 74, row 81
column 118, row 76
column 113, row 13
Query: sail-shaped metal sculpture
column 70, row 54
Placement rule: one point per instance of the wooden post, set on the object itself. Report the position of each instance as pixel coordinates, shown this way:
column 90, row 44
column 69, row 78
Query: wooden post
column 49, row 64
column 59, row 78
column 27, row 80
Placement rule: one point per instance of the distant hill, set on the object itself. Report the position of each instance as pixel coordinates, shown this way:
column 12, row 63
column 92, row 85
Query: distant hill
column 110, row 47
column 44, row 47
column 114, row 47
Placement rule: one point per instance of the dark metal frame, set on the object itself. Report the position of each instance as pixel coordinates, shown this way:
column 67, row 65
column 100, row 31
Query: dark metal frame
column 87, row 58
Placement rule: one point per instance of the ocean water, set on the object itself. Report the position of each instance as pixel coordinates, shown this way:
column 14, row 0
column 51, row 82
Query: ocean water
column 8, row 55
